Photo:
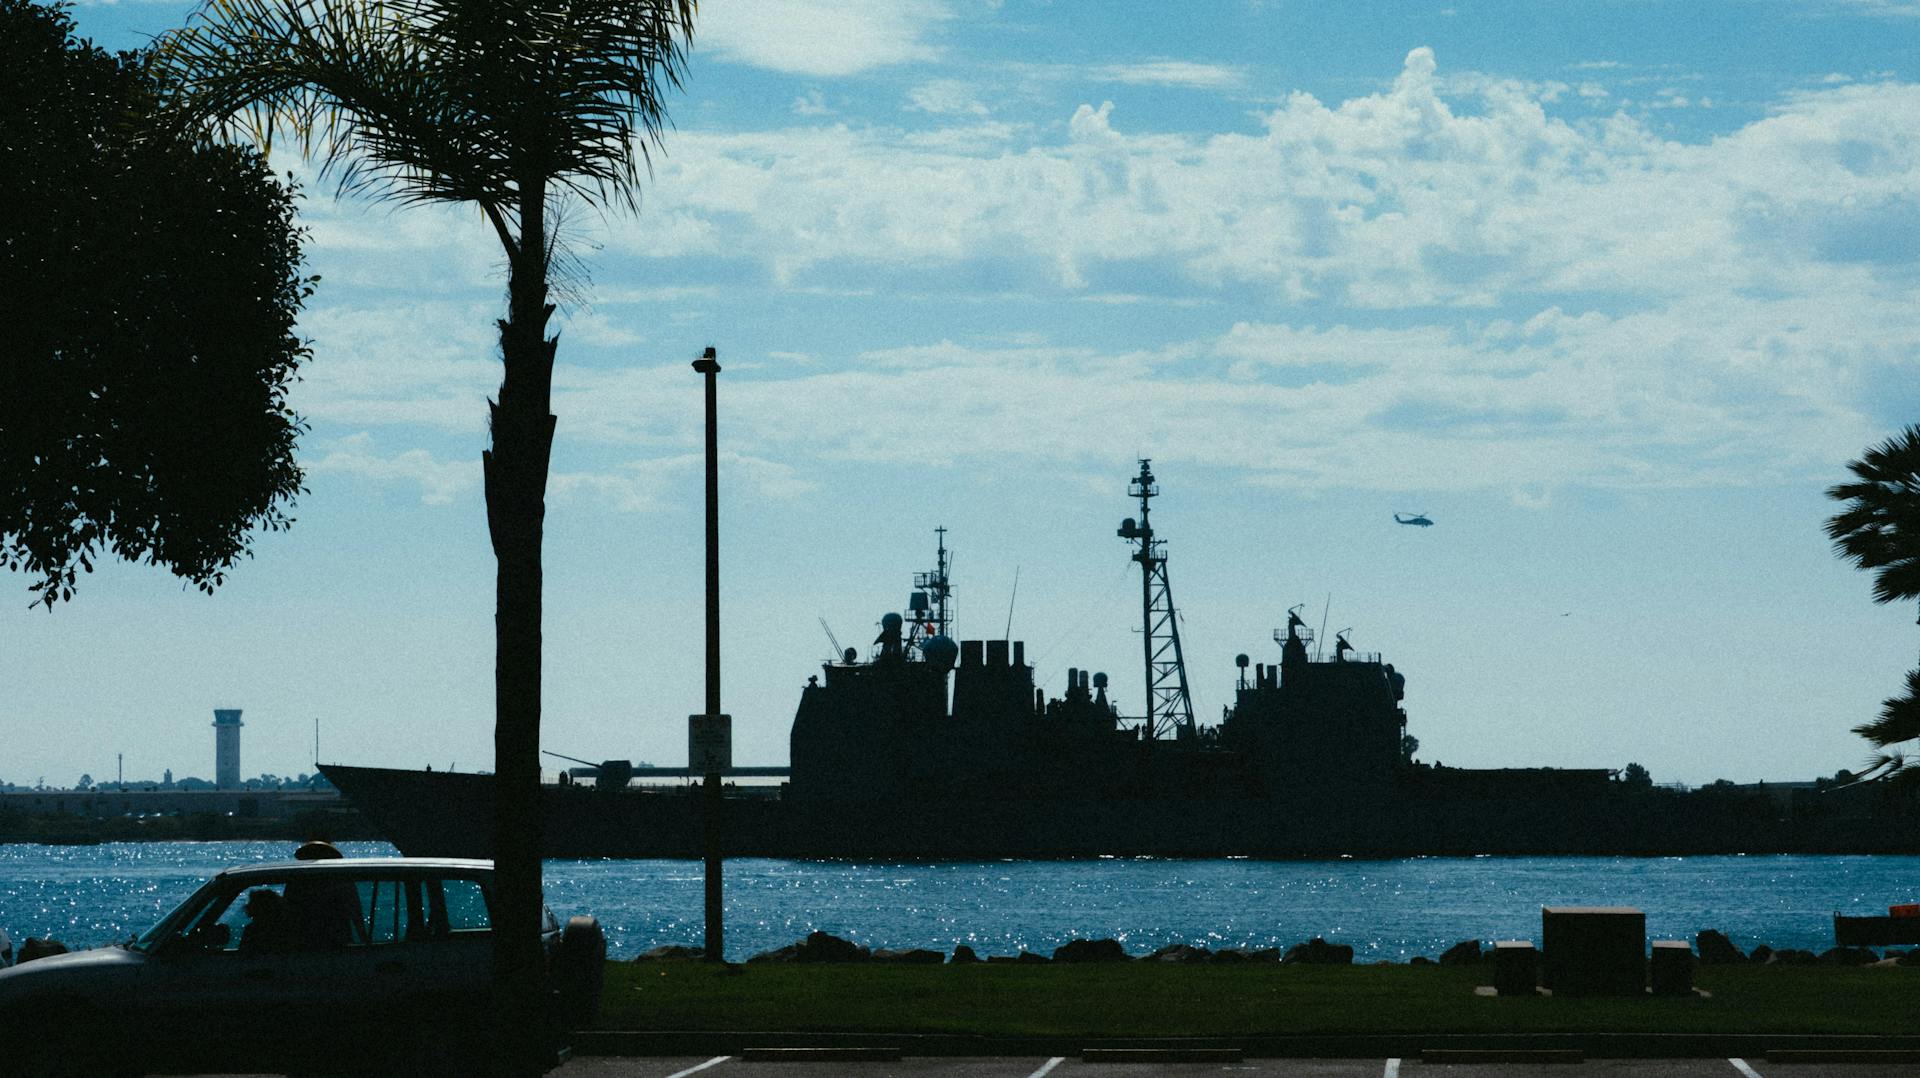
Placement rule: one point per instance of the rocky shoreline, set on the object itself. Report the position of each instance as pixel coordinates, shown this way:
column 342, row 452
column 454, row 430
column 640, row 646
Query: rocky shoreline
column 1711, row 947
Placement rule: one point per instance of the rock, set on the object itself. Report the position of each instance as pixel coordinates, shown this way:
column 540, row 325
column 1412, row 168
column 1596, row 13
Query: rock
column 1318, row 952
column 1029, row 957
column 1180, row 952
column 32, row 948
column 999, row 959
column 963, row 955
column 1788, row 956
column 918, row 956
column 1762, row 953
column 1421, row 960
column 1716, row 949
column 1848, row 956
column 1264, row 954
column 670, row 952
column 789, row 953
column 1464, row 953
column 1229, row 954
column 821, row 947
column 1091, row 951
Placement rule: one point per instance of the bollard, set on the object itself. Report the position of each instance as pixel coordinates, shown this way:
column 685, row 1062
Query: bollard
column 1672, row 968
column 1515, row 967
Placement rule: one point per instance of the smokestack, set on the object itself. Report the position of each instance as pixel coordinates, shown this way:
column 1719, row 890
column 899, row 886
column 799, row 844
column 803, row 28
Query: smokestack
column 226, row 748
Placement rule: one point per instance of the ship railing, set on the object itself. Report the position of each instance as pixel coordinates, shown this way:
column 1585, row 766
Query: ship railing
column 1353, row 657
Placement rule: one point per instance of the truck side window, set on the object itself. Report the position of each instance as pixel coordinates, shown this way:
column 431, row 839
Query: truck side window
column 466, row 906
column 387, row 910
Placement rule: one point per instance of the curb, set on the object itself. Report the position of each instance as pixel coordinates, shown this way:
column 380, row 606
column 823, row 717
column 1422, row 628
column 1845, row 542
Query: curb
column 1782, row 1047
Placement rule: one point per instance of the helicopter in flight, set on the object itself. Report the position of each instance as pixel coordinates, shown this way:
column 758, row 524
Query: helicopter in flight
column 1418, row 520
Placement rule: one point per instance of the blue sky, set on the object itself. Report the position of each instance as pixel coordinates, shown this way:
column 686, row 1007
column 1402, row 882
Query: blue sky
column 1611, row 290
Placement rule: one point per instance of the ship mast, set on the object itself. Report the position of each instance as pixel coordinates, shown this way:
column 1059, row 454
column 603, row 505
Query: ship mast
column 933, row 590
column 1169, row 708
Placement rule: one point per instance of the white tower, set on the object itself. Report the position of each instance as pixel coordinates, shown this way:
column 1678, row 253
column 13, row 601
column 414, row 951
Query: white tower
column 226, row 748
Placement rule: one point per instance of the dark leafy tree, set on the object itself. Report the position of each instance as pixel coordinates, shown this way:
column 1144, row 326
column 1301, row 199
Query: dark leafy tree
column 1878, row 529
column 513, row 107
column 1409, row 745
column 148, row 290
column 1636, row 777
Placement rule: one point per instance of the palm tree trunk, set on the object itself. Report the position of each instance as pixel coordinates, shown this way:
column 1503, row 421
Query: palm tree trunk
column 516, row 482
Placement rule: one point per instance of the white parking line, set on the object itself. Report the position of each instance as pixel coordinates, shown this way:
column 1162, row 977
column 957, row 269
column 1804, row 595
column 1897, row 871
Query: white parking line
column 1047, row 1067
column 714, row 1062
column 1741, row 1066
column 1393, row 1069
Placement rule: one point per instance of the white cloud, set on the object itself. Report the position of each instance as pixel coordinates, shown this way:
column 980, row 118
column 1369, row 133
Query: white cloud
column 1564, row 301
column 1392, row 199
column 820, row 38
column 635, row 487
column 430, row 364
column 1185, row 73
column 1898, row 9
column 945, row 97
column 440, row 482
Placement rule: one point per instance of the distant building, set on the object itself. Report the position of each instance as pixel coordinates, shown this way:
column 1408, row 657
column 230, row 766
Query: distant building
column 226, row 748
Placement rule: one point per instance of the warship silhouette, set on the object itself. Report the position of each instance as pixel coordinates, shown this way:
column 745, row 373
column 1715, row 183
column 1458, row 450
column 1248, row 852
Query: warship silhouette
column 932, row 748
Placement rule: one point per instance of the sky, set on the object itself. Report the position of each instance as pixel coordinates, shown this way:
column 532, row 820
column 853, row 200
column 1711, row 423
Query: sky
column 1612, row 291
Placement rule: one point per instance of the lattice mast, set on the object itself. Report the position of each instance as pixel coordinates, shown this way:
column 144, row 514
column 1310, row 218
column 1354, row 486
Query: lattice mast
column 1169, row 707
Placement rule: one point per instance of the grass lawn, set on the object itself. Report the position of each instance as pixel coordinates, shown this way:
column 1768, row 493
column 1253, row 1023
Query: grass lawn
column 1141, row 999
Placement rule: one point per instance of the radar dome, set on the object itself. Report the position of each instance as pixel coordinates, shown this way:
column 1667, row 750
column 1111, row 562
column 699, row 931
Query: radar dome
column 1240, row 660
column 941, row 651
column 1099, row 681
column 890, row 622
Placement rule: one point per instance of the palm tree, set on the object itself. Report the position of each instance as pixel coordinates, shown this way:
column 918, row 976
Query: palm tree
column 512, row 106
column 1879, row 529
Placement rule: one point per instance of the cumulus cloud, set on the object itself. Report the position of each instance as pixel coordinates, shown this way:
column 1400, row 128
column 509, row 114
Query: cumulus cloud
column 1442, row 284
column 821, row 38
column 1393, row 199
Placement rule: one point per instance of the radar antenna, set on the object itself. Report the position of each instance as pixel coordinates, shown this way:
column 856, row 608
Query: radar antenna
column 1169, row 707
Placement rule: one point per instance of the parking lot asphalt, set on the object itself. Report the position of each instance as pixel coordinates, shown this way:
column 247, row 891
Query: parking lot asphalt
column 1076, row 1067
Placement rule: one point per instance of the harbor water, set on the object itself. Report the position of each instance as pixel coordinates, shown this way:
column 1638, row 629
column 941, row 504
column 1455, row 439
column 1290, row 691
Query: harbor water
column 1387, row 910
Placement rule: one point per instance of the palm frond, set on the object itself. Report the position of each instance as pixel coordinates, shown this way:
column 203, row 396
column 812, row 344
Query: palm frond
column 1899, row 719
column 442, row 100
column 1878, row 527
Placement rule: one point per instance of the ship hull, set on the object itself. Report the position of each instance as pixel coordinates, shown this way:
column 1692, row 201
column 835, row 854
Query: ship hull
column 426, row 813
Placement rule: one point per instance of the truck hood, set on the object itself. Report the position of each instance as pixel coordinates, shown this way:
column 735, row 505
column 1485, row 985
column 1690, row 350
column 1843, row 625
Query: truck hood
column 83, row 973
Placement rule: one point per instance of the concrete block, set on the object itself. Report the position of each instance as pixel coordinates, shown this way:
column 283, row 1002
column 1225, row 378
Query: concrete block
column 1594, row 950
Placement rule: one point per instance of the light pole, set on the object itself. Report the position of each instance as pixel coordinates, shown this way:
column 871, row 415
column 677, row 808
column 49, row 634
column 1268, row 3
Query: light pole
column 709, row 734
